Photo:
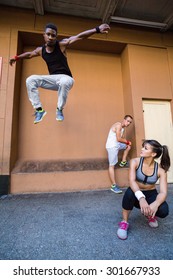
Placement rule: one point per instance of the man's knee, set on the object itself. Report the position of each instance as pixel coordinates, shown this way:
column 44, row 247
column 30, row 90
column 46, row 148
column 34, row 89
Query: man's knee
column 66, row 83
column 111, row 168
column 30, row 79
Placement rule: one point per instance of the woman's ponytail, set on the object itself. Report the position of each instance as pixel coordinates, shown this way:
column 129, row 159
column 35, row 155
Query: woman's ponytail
column 165, row 159
column 161, row 151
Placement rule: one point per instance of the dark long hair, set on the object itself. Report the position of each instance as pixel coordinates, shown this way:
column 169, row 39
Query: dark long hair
column 160, row 151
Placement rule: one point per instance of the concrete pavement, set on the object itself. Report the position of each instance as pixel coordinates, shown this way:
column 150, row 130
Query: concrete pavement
column 78, row 226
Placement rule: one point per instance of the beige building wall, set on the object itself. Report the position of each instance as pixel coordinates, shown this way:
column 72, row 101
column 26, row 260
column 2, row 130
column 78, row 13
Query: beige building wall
column 150, row 79
column 113, row 74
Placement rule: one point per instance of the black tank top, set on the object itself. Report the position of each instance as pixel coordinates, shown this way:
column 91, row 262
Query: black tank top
column 56, row 61
column 144, row 179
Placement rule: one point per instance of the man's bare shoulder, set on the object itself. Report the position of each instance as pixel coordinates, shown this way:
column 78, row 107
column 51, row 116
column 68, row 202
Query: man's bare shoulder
column 117, row 124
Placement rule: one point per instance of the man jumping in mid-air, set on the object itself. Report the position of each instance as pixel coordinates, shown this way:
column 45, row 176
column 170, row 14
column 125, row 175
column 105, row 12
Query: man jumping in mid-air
column 60, row 78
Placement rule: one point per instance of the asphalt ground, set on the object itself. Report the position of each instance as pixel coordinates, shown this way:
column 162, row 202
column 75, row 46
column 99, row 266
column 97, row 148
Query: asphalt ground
column 79, row 226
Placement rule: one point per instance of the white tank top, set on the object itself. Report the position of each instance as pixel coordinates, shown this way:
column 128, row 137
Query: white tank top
column 112, row 138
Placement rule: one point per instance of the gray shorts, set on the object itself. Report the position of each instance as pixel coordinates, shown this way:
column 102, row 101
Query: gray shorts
column 113, row 153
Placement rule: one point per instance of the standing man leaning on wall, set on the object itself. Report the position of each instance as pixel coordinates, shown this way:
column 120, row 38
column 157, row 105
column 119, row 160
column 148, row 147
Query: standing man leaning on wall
column 60, row 78
column 116, row 142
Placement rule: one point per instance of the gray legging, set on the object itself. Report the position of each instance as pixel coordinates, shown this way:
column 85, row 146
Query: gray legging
column 130, row 201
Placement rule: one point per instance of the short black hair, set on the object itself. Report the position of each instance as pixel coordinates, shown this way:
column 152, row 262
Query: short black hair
column 128, row 116
column 52, row 26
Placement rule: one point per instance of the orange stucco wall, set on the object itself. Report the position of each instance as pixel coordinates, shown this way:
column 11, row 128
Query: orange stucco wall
column 150, row 79
column 96, row 96
column 108, row 84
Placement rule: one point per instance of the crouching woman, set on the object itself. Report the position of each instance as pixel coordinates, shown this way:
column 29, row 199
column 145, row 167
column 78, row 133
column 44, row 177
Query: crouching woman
column 142, row 193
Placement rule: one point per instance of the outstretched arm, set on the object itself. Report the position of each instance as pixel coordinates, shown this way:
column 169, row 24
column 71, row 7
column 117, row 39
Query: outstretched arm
column 26, row 55
column 103, row 28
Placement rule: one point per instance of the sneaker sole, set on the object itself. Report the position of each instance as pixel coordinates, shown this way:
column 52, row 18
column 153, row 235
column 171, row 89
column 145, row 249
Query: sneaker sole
column 153, row 226
column 59, row 120
column 116, row 192
column 121, row 237
column 35, row 122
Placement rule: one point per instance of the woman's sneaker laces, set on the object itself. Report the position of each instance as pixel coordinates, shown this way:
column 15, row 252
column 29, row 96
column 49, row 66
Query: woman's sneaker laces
column 152, row 222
